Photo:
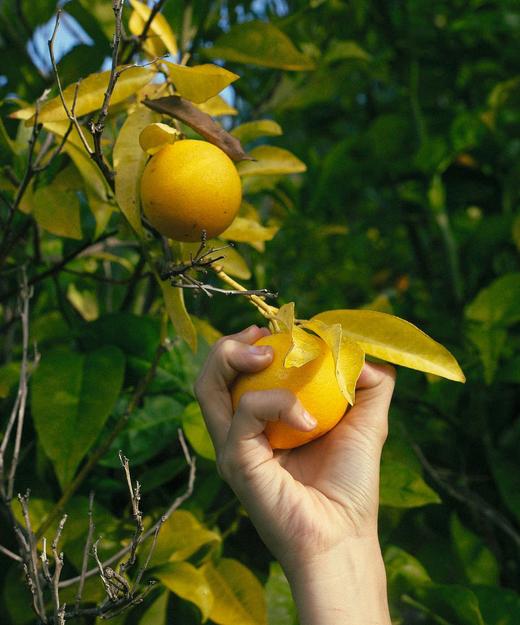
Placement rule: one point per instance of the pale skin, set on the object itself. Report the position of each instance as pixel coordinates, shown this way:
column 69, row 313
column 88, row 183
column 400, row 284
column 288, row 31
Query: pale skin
column 316, row 506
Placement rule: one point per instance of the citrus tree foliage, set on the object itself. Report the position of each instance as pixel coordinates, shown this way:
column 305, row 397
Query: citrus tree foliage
column 384, row 176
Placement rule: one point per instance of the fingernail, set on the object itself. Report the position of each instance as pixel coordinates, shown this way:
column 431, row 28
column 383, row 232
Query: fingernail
column 259, row 350
column 309, row 419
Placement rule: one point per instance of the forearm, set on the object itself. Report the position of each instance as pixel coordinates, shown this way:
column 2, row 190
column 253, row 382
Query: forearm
column 344, row 587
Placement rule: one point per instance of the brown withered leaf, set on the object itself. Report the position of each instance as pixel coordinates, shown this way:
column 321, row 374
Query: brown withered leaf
column 206, row 126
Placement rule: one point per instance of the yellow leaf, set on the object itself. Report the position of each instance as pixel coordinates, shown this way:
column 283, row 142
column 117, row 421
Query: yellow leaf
column 176, row 309
column 155, row 136
column 304, row 346
column 181, row 535
column 159, row 26
column 239, row 596
column 259, row 128
column 395, row 340
column 102, row 212
column 216, row 107
column 85, row 302
column 56, row 206
column 129, row 162
column 206, row 330
column 248, row 231
column 232, row 263
column 201, row 82
column 188, row 582
column 348, row 356
column 271, row 160
column 90, row 96
column 152, row 45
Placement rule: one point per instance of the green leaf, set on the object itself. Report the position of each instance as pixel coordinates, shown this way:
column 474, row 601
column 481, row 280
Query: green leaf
column 56, row 206
column 90, row 95
column 395, row 340
column 403, row 571
column 129, row 162
column 239, row 596
column 453, row 603
column 499, row 606
column 259, row 43
column 253, row 130
column 181, row 535
column 480, row 565
column 281, row 609
column 9, row 376
column 271, row 160
column 196, row 431
column 402, row 487
column 201, row 82
column 149, row 430
column 490, row 342
column 72, row 396
column 156, row 613
column 345, row 51
column 499, row 303
column 187, row 582
column 507, row 479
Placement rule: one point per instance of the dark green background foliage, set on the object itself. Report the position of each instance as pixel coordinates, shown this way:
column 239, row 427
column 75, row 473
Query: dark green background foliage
column 410, row 128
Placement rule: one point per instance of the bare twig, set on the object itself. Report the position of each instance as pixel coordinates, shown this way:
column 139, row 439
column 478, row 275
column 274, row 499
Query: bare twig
column 59, row 610
column 10, row 554
column 69, row 112
column 178, row 501
column 135, row 498
column 86, row 549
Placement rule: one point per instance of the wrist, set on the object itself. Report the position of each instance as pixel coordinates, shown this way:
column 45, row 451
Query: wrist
column 344, row 586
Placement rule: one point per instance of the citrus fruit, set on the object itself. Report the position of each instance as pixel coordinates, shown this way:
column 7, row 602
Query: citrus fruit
column 314, row 384
column 190, row 186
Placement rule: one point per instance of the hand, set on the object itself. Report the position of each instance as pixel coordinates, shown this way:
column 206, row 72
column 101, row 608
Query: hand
column 312, row 503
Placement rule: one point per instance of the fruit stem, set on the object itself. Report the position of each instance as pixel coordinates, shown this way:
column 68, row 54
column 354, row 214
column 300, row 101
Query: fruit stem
column 267, row 311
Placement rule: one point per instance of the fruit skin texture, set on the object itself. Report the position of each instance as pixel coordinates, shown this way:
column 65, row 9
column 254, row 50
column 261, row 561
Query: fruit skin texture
column 190, row 186
column 314, row 384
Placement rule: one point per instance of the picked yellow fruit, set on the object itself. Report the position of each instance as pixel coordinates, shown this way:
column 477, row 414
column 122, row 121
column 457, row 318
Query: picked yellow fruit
column 314, row 384
column 190, row 186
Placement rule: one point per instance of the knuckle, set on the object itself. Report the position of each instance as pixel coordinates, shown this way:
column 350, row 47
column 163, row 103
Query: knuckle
column 248, row 402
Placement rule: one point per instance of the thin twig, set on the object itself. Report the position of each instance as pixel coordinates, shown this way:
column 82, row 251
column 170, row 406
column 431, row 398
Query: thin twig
column 59, row 611
column 10, row 554
column 138, row 41
column 135, row 498
column 178, row 501
column 86, row 550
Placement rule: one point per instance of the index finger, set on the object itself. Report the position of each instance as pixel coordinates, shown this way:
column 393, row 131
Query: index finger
column 229, row 356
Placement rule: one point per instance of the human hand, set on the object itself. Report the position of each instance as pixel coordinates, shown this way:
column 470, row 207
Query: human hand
column 315, row 506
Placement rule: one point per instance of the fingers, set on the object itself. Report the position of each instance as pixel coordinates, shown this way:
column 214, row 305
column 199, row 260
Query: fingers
column 373, row 395
column 246, row 447
column 230, row 356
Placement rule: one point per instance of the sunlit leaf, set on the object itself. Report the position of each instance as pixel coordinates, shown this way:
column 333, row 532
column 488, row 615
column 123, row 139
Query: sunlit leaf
column 91, row 93
column 181, row 535
column 259, row 43
column 85, row 302
column 271, row 160
column 217, row 107
column 239, row 596
column 176, row 309
column 56, row 206
column 129, row 162
column 152, row 45
column 304, row 346
column 258, row 128
column 201, row 82
column 158, row 27
column 498, row 303
column 72, row 397
column 187, row 582
column 155, row 136
column 196, row 431
column 349, row 357
column 248, row 231
column 395, row 340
